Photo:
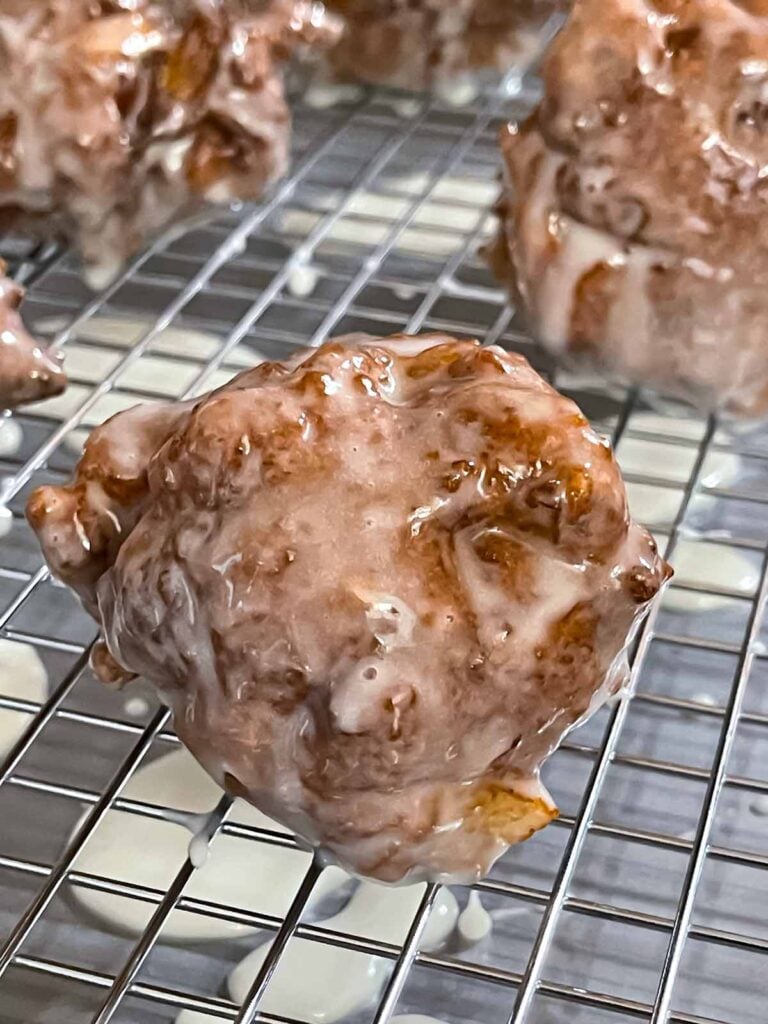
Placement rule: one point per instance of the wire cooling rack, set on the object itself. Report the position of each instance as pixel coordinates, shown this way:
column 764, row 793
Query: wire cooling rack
column 647, row 900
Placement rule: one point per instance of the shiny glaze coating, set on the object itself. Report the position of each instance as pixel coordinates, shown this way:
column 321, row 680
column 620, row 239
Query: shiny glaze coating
column 376, row 585
column 636, row 219
column 28, row 372
column 418, row 44
column 119, row 116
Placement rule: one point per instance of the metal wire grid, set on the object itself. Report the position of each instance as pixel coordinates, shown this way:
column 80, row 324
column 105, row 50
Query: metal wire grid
column 389, row 210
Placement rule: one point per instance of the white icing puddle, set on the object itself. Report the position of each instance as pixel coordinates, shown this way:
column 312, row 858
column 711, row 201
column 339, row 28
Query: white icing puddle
column 656, row 459
column 22, row 675
column 304, row 987
column 710, row 565
column 300, row 986
column 313, row 981
column 675, row 463
column 653, row 506
column 689, row 429
column 237, row 872
column 385, row 914
column 721, row 469
column 198, row 851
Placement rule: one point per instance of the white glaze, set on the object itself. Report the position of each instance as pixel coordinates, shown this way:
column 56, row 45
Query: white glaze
column 198, row 851
column 458, row 91
column 302, row 280
column 653, row 506
column 415, row 1018
column 710, row 565
column 375, row 912
column 238, row 872
column 136, row 707
column 705, row 700
column 640, row 457
column 313, row 981
column 11, row 436
column 322, row 95
column 475, row 923
column 6, row 521
column 385, row 914
column 23, row 676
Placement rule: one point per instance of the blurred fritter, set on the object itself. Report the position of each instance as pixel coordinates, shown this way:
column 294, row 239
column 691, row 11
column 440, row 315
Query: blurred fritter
column 636, row 215
column 27, row 372
column 119, row 116
column 416, row 44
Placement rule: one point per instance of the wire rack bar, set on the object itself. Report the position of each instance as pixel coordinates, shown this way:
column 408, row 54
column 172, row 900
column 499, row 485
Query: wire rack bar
column 249, row 1010
column 693, row 876
column 124, row 980
column 406, row 957
column 532, row 978
column 57, row 876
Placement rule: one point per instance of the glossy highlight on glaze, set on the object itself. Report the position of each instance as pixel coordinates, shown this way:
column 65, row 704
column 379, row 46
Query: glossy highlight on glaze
column 376, row 584
column 635, row 218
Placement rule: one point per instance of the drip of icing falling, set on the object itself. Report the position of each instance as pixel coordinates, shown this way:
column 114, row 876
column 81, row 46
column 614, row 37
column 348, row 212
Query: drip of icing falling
column 100, row 276
column 302, row 280
column 136, row 707
column 11, row 436
column 458, row 91
column 475, row 923
column 406, row 106
column 238, row 872
column 301, row 989
column 23, row 676
column 6, row 521
column 198, row 850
